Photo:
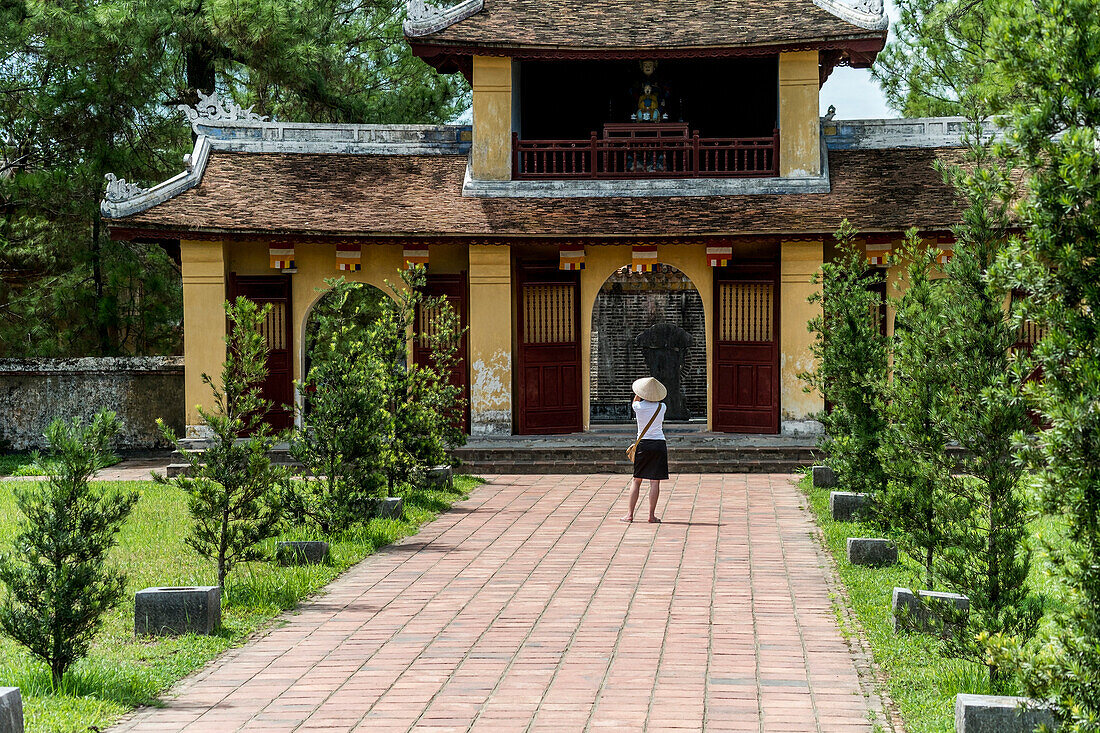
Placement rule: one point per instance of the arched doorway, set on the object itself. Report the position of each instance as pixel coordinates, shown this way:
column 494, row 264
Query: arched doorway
column 364, row 305
column 650, row 323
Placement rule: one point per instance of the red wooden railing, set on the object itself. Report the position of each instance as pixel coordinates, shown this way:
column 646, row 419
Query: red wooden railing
column 646, row 150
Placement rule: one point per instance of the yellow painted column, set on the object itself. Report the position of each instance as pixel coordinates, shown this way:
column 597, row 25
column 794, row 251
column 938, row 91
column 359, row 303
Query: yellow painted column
column 203, row 270
column 491, row 159
column 799, row 125
column 799, row 261
column 490, row 339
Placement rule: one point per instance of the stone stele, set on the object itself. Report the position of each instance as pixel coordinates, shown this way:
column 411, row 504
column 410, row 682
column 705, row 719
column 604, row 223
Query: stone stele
column 824, row 478
column 999, row 714
column 172, row 611
column 846, row 505
column 11, row 710
column 301, row 553
column 871, row 551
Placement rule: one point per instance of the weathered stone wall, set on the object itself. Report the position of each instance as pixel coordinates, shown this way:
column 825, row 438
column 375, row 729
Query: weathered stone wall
column 628, row 304
column 140, row 389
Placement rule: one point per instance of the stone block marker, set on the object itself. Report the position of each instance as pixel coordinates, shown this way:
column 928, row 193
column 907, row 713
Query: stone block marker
column 172, row 611
column 824, row 478
column 11, row 710
column 440, row 476
column 846, row 505
column 301, row 553
column 392, row 507
column 928, row 611
column 871, row 551
column 999, row 714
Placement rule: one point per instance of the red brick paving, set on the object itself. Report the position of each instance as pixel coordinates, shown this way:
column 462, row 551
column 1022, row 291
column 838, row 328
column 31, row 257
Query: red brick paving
column 530, row 607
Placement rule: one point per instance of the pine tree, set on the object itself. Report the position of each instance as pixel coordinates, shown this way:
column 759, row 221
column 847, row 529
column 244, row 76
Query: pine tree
column 59, row 583
column 343, row 422
column 986, row 556
column 913, row 444
column 1051, row 51
column 936, row 56
column 233, row 490
column 851, row 366
column 424, row 410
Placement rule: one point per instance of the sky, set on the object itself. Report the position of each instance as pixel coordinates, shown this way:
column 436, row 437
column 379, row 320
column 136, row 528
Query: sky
column 854, row 93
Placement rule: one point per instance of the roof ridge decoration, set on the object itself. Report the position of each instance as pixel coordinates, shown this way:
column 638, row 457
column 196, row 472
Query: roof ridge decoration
column 123, row 198
column 211, row 108
column 869, row 14
column 423, row 18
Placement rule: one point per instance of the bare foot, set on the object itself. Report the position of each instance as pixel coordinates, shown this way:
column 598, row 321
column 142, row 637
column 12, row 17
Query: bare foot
column 628, row 520
column 654, row 520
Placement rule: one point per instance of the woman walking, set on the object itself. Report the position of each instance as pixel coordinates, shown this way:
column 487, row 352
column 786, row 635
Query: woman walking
column 651, row 456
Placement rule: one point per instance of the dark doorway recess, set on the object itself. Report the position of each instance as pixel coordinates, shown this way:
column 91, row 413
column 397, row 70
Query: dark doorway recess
column 278, row 388
column 572, row 99
column 746, row 348
column 453, row 287
column 549, row 359
column 648, row 324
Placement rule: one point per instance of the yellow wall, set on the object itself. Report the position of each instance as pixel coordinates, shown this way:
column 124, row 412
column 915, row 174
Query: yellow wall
column 602, row 261
column 798, row 262
column 490, row 339
column 799, row 133
column 491, row 159
column 203, row 268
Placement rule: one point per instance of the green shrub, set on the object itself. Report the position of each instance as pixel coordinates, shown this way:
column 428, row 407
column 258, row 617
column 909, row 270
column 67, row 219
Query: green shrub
column 851, row 366
column 59, row 584
column 233, row 490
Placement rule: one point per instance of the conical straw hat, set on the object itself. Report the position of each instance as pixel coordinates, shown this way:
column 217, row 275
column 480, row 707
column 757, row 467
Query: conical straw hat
column 649, row 389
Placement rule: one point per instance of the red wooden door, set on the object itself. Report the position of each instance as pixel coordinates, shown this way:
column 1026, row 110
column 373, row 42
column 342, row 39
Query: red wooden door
column 278, row 388
column 549, row 360
column 746, row 349
column 453, row 287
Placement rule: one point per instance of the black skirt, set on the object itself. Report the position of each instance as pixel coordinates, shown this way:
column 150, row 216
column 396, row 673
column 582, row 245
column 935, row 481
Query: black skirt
column 651, row 460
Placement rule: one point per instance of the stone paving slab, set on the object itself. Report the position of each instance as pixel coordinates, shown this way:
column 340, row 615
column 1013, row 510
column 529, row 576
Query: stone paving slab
column 131, row 469
column 530, row 607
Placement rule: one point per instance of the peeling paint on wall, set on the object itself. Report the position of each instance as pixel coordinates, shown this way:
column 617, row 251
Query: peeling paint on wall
column 797, row 404
column 492, row 383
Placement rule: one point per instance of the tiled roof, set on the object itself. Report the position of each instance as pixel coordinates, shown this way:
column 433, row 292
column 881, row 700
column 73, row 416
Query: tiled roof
column 659, row 24
column 420, row 195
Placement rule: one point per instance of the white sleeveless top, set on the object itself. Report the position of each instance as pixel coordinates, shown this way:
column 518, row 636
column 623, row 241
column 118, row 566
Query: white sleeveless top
column 643, row 410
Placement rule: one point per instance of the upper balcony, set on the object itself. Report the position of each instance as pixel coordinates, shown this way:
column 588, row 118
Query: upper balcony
column 698, row 118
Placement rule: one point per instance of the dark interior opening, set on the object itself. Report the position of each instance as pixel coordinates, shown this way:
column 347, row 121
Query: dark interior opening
column 569, row 100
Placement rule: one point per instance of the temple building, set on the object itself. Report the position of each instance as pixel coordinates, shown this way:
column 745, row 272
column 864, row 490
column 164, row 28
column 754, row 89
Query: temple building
column 647, row 187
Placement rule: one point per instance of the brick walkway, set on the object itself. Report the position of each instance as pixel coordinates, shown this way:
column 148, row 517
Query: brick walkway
column 529, row 607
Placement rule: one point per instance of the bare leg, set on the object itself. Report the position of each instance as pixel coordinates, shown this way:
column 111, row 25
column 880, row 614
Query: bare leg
column 654, row 494
column 635, row 489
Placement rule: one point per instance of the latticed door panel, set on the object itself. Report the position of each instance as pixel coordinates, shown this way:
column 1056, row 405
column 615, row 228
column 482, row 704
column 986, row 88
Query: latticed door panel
column 746, row 370
column 549, row 354
column 278, row 387
column 453, row 288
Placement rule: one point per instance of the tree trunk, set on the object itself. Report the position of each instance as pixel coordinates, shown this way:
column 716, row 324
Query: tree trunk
column 222, row 541
column 102, row 334
column 200, row 68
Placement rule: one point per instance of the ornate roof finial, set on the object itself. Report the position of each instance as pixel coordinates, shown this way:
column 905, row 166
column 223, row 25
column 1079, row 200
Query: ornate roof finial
column 830, row 113
column 212, row 109
column 868, row 14
column 423, row 17
column 119, row 190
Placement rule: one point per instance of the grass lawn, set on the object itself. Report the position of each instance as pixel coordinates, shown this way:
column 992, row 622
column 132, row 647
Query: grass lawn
column 921, row 681
column 122, row 672
column 26, row 464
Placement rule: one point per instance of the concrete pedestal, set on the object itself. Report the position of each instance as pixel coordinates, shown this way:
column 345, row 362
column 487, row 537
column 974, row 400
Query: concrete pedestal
column 845, row 506
column 11, row 710
column 172, row 611
column 999, row 714
column 824, row 478
column 871, row 551
column 301, row 553
column 929, row 611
